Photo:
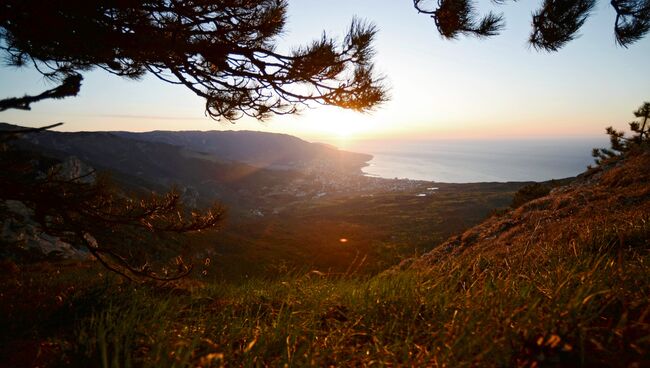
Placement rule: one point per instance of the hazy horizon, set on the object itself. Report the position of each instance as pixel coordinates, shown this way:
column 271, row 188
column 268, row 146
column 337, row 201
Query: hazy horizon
column 473, row 160
column 465, row 88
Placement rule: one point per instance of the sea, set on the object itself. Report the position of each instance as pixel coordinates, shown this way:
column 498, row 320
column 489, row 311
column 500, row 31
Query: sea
column 471, row 161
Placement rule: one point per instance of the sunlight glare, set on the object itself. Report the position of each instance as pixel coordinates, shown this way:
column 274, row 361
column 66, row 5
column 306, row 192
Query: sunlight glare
column 339, row 123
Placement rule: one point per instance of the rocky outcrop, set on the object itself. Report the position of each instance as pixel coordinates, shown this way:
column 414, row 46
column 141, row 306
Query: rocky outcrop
column 23, row 236
column 74, row 169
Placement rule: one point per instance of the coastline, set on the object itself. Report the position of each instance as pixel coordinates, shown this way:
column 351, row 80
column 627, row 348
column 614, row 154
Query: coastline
column 479, row 161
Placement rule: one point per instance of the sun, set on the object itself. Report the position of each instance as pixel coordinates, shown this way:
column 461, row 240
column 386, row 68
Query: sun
column 339, row 123
column 337, row 126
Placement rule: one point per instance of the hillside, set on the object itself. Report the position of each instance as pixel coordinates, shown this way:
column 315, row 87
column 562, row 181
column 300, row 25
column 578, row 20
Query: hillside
column 267, row 150
column 561, row 281
column 608, row 204
column 281, row 218
column 235, row 168
column 144, row 166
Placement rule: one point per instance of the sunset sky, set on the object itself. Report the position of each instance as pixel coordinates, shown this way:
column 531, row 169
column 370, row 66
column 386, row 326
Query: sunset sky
column 467, row 88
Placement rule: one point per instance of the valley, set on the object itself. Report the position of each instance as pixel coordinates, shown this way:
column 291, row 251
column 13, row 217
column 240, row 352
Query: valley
column 289, row 218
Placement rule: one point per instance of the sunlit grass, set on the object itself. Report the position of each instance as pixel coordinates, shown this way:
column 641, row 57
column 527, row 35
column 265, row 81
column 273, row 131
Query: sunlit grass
column 582, row 304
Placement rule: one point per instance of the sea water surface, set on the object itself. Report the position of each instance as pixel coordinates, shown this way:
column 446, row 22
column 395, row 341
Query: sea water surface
column 468, row 161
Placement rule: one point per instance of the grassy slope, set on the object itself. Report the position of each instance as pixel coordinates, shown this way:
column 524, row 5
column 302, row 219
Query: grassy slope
column 562, row 281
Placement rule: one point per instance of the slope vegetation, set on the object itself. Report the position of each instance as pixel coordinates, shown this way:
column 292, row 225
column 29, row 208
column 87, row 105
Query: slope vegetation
column 561, row 280
column 607, row 206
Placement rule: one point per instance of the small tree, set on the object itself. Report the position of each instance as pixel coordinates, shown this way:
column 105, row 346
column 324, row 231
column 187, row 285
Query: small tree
column 621, row 144
column 555, row 23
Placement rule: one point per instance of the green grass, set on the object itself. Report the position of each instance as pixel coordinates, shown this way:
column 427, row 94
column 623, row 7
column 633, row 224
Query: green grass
column 556, row 304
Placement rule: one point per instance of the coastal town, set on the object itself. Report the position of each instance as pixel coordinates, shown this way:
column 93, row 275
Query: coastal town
column 316, row 184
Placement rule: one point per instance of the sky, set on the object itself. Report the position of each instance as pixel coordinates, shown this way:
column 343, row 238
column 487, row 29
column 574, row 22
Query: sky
column 468, row 88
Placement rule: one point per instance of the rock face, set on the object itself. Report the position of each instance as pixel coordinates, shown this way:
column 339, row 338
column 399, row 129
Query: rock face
column 190, row 196
column 22, row 235
column 74, row 169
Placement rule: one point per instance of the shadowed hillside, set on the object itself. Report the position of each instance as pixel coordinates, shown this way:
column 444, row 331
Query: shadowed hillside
column 145, row 166
column 236, row 168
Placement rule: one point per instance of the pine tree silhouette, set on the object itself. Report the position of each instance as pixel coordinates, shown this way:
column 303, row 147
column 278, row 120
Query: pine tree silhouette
column 224, row 51
column 555, row 23
column 619, row 143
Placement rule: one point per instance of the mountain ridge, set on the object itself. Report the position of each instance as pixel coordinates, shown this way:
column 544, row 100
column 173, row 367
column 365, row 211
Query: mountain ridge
column 261, row 149
column 213, row 165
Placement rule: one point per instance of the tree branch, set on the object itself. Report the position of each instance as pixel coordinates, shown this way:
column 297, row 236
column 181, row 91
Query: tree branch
column 69, row 87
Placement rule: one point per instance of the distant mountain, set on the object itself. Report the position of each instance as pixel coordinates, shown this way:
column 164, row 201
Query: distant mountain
column 148, row 165
column 267, row 150
column 231, row 166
